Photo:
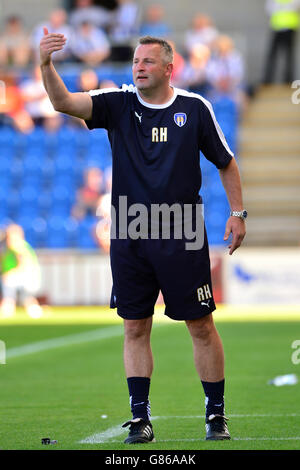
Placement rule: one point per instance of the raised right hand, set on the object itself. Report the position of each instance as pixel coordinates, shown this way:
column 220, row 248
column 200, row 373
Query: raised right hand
column 50, row 43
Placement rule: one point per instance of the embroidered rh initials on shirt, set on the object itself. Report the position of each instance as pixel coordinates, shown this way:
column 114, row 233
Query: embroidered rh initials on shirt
column 159, row 134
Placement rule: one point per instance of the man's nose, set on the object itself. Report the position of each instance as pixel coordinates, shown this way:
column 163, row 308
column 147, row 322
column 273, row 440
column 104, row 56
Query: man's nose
column 140, row 67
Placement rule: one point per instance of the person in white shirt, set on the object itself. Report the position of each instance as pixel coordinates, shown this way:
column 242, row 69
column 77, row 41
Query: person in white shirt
column 57, row 22
column 202, row 31
column 89, row 44
column 85, row 10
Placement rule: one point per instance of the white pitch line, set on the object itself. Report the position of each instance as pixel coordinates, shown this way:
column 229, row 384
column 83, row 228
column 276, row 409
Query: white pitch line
column 295, row 438
column 68, row 340
column 105, row 436
column 114, row 431
column 231, row 416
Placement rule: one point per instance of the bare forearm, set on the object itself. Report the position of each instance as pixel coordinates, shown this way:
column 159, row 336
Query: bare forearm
column 55, row 87
column 231, row 181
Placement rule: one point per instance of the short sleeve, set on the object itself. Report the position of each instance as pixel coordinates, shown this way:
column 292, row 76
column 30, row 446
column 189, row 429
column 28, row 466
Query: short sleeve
column 212, row 140
column 107, row 105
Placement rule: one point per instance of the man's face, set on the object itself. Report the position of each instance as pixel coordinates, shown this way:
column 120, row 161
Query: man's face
column 149, row 70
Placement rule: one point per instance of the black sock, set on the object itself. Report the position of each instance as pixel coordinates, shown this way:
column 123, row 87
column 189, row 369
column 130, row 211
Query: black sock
column 214, row 397
column 139, row 397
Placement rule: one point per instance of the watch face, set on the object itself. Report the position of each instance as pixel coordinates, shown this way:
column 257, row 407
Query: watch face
column 245, row 213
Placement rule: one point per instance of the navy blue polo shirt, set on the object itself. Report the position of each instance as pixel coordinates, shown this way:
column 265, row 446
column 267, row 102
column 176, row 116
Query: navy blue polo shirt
column 155, row 148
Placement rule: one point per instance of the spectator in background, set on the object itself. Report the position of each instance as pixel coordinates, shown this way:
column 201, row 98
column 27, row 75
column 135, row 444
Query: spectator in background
column 124, row 28
column 194, row 75
column 284, row 23
column 88, row 195
column 102, row 229
column 86, row 11
column 57, row 23
column 178, row 65
column 14, row 43
column 202, row 31
column 225, row 70
column 37, row 103
column 108, row 179
column 154, row 24
column 89, row 45
column 12, row 109
column 88, row 80
column 107, row 84
column 20, row 274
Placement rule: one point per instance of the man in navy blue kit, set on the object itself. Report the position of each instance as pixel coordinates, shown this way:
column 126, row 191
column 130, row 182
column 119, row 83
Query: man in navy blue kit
column 156, row 132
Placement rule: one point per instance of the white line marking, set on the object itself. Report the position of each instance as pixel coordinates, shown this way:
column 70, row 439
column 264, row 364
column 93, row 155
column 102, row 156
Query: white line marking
column 102, row 437
column 296, row 438
column 114, row 431
column 68, row 340
column 105, row 436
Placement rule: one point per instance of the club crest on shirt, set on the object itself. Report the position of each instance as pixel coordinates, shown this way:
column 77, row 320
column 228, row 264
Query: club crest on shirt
column 180, row 119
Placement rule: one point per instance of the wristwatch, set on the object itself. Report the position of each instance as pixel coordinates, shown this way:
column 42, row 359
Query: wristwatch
column 241, row 214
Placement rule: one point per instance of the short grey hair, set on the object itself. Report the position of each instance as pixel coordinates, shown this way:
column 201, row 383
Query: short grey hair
column 167, row 50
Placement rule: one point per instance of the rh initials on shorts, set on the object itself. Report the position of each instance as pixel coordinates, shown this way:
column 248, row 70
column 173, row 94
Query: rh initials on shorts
column 204, row 293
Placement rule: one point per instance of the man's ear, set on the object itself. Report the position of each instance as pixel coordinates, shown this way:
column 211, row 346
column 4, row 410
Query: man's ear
column 170, row 68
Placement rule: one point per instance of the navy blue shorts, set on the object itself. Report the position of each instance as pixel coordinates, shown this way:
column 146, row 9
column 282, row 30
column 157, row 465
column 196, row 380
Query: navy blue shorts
column 141, row 268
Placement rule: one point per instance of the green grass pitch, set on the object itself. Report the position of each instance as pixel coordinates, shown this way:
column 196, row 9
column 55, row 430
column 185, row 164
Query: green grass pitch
column 68, row 382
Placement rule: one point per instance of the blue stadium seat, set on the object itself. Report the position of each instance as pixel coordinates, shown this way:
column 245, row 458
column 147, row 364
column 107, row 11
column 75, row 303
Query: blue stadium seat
column 17, row 171
column 82, row 138
column 215, row 224
column 72, row 230
column 215, row 236
column 6, row 158
column 47, row 171
column 34, row 140
column 66, row 179
column 66, row 140
column 64, row 163
column 85, row 235
column 56, row 233
column 62, row 200
column 29, row 201
column 99, row 141
column 95, row 160
column 39, row 232
column 5, row 221
column 50, row 143
column 26, row 222
column 79, row 168
column 3, row 202
column 119, row 75
column 32, row 169
column 13, row 203
column 7, row 138
column 44, row 202
column 71, row 79
column 3, row 212
column 7, row 153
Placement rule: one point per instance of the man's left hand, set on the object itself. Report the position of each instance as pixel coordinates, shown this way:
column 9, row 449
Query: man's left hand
column 237, row 227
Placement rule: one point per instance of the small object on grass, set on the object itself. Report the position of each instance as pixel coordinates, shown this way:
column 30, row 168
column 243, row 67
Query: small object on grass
column 288, row 379
column 47, row 441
